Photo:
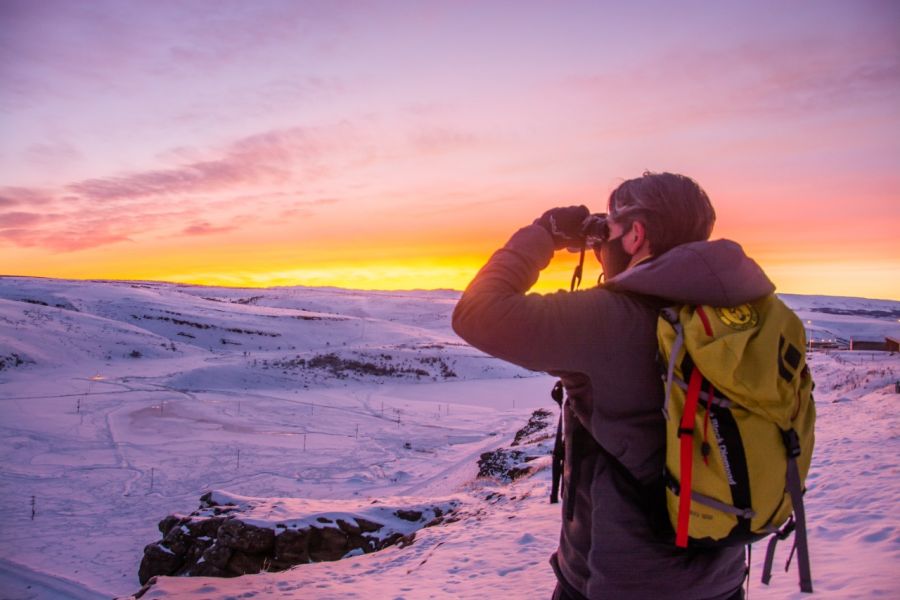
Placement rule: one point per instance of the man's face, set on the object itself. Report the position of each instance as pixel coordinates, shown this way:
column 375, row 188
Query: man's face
column 616, row 231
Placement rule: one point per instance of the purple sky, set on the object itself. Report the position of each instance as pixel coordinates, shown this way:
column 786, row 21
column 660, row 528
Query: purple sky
column 255, row 137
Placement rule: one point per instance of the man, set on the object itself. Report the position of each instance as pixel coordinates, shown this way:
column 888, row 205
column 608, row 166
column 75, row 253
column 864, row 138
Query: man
column 602, row 343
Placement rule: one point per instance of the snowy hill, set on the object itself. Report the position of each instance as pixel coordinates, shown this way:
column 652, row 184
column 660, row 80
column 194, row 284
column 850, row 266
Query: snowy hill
column 845, row 319
column 122, row 402
column 241, row 334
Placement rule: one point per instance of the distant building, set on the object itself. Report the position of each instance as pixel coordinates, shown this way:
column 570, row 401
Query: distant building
column 892, row 344
column 866, row 345
column 825, row 345
column 889, row 344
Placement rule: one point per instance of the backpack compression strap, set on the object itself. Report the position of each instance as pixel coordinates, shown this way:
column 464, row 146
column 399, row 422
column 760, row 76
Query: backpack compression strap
column 797, row 524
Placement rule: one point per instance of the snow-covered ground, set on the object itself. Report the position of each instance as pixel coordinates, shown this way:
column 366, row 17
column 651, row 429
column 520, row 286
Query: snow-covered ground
column 121, row 403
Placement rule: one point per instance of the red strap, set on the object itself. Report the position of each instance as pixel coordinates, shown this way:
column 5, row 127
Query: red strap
column 686, row 434
column 706, row 326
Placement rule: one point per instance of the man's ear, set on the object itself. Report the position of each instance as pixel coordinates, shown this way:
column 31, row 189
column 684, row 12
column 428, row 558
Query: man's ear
column 635, row 242
column 635, row 238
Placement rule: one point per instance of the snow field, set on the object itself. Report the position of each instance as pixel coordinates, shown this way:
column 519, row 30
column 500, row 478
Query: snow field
column 110, row 422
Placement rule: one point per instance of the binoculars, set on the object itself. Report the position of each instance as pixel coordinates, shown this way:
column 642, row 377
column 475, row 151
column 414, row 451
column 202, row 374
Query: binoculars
column 595, row 230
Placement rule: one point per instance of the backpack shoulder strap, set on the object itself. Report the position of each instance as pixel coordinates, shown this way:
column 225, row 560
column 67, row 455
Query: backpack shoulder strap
column 559, row 450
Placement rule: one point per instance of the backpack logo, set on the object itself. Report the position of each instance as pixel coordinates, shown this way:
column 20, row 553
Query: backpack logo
column 741, row 317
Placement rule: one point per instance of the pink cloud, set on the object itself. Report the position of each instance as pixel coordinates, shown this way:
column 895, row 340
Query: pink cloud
column 105, row 210
column 61, row 241
column 197, row 177
column 205, row 228
column 18, row 196
column 826, row 80
column 14, row 220
column 273, row 156
column 785, row 78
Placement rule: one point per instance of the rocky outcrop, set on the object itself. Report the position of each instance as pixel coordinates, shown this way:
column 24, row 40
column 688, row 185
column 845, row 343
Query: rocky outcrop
column 504, row 464
column 225, row 537
column 508, row 464
column 231, row 535
column 536, row 429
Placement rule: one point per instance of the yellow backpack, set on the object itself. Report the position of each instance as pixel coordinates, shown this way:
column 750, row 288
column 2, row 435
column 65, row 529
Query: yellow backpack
column 740, row 419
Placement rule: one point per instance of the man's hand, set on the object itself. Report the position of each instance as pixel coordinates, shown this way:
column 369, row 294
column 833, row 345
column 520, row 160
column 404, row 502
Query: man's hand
column 565, row 224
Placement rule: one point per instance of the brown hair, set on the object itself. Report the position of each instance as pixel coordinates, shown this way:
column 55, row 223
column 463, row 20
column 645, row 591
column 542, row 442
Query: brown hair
column 673, row 208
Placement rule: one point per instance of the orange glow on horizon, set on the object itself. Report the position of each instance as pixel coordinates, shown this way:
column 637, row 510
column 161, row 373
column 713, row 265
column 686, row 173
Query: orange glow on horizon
column 861, row 278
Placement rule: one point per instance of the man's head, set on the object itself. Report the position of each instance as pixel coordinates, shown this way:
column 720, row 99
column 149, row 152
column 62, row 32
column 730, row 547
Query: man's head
column 652, row 214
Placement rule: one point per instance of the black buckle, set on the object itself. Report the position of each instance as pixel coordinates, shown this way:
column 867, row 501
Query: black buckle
column 791, row 442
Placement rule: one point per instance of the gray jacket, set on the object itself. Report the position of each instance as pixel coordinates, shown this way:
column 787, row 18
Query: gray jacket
column 602, row 343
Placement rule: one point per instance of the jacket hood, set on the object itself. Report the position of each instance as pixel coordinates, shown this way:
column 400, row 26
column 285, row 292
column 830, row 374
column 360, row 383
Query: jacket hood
column 716, row 273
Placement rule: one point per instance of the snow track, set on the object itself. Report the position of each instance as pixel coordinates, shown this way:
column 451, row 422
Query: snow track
column 19, row 582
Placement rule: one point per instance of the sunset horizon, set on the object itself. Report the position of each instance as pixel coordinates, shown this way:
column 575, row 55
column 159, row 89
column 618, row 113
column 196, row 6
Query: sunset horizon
column 394, row 146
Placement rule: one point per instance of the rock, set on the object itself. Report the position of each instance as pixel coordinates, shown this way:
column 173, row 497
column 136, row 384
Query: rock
column 217, row 555
column 327, row 544
column 409, row 515
column 357, row 541
column 388, row 541
column 517, row 472
column 291, row 547
column 145, row 588
column 205, row 527
column 500, row 463
column 225, row 546
column 348, row 528
column 398, row 539
column 368, row 526
column 178, row 540
column 245, row 563
column 204, row 569
column 196, row 550
column 247, row 538
column 540, row 419
column 168, row 523
column 158, row 560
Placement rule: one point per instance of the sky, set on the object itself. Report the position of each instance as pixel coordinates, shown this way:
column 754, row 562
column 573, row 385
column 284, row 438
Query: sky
column 396, row 145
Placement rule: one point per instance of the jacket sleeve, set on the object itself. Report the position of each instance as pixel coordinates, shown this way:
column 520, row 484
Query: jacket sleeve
column 549, row 333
